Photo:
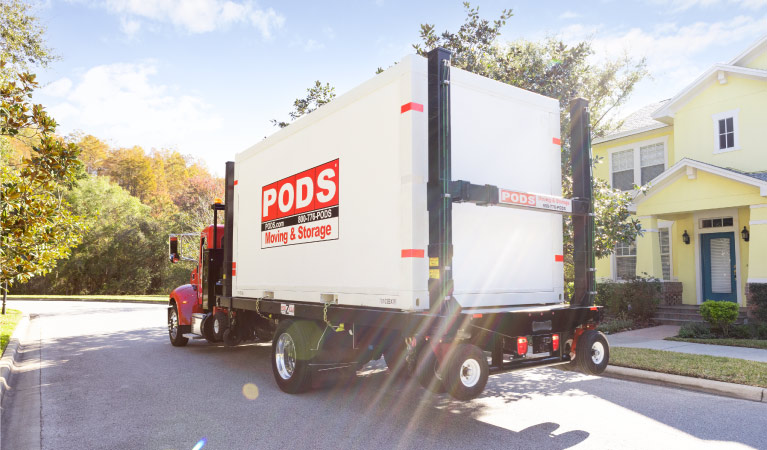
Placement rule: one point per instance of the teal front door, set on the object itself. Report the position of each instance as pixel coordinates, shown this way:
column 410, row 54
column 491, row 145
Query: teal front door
column 718, row 266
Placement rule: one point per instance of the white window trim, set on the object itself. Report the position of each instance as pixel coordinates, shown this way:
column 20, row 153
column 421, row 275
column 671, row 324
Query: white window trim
column 724, row 115
column 614, row 267
column 635, row 146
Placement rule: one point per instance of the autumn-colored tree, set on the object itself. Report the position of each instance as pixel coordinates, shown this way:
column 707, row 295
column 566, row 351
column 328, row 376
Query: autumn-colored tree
column 132, row 169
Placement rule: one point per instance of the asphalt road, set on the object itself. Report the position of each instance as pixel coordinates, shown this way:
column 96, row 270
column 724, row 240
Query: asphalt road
column 101, row 375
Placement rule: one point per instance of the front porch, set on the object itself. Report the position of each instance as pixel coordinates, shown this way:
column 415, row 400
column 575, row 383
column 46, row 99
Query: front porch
column 705, row 233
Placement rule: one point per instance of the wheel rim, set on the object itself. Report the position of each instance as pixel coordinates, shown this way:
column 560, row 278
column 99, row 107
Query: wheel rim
column 597, row 352
column 173, row 324
column 470, row 372
column 216, row 326
column 285, row 356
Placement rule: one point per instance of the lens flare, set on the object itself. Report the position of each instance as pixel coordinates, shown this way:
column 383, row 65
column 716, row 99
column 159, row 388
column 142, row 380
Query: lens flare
column 250, row 391
column 200, row 444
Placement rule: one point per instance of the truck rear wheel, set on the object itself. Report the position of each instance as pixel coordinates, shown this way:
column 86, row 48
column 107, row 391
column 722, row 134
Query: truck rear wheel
column 174, row 330
column 466, row 372
column 290, row 356
column 427, row 370
column 592, row 352
column 219, row 323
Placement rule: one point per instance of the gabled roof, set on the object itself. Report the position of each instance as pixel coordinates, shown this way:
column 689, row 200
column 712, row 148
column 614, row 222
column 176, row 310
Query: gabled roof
column 637, row 122
column 717, row 71
column 756, row 49
column 688, row 166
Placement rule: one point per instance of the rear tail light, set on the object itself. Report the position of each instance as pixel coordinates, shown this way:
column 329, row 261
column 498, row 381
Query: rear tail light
column 554, row 342
column 522, row 346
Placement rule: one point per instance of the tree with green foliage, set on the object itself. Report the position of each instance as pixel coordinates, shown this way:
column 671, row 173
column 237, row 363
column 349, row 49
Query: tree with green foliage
column 124, row 250
column 37, row 227
column 316, row 96
column 554, row 69
column 22, row 37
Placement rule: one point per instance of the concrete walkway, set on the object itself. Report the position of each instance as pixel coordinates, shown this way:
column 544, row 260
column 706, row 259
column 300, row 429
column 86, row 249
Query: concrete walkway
column 653, row 338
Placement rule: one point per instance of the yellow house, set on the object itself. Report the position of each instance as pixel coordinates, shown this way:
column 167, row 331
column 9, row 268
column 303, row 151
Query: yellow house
column 703, row 156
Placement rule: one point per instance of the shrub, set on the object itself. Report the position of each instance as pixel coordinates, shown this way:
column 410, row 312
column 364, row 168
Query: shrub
column 719, row 314
column 744, row 332
column 615, row 325
column 757, row 294
column 698, row 330
column 636, row 299
column 760, row 331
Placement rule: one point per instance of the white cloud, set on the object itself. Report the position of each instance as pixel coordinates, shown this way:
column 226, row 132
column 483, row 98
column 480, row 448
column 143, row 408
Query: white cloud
column 121, row 102
column 312, row 45
column 58, row 88
column 331, row 34
column 195, row 16
column 569, row 15
column 676, row 54
column 684, row 5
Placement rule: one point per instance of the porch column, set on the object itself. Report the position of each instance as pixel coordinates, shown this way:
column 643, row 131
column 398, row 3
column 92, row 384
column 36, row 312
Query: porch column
column 648, row 249
column 756, row 284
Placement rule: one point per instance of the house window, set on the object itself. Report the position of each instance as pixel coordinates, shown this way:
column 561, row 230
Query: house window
column 652, row 161
column 639, row 165
column 625, row 261
column 623, row 170
column 726, row 131
column 665, row 252
column 726, row 134
column 719, row 222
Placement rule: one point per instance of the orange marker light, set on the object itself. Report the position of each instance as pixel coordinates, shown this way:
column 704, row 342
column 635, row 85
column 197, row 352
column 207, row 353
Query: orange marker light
column 218, row 201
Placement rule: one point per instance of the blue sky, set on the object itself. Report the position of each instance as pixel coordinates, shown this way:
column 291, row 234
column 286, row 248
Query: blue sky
column 205, row 76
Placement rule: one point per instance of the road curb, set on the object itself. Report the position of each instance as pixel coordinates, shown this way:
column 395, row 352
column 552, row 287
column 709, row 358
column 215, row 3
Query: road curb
column 733, row 390
column 9, row 360
column 148, row 302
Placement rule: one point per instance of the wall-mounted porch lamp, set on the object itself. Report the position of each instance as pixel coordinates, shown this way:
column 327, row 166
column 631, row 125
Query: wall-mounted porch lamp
column 745, row 234
column 686, row 238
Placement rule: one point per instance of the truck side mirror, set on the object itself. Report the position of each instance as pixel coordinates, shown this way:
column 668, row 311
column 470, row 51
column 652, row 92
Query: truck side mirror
column 174, row 253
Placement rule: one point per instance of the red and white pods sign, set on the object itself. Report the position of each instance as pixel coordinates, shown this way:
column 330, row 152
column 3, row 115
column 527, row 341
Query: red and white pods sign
column 301, row 208
column 535, row 201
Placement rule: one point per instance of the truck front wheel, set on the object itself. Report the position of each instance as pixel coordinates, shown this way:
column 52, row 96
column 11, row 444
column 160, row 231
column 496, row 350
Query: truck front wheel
column 466, row 372
column 290, row 357
column 592, row 352
column 174, row 331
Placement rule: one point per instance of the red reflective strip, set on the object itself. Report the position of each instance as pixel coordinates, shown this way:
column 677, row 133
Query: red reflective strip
column 235, row 182
column 559, row 258
column 234, row 272
column 411, row 106
column 234, row 265
column 477, row 316
column 593, row 308
column 556, row 141
column 412, row 253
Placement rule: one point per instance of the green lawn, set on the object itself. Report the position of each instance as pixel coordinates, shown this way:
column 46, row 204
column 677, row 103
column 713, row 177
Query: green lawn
column 7, row 325
column 717, row 368
column 106, row 298
column 750, row 343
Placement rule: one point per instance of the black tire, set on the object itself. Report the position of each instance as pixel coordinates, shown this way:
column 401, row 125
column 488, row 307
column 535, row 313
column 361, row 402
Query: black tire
column 427, row 370
column 219, row 325
column 398, row 361
column 592, row 352
column 231, row 338
column 174, row 329
column 466, row 372
column 207, row 330
column 291, row 355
